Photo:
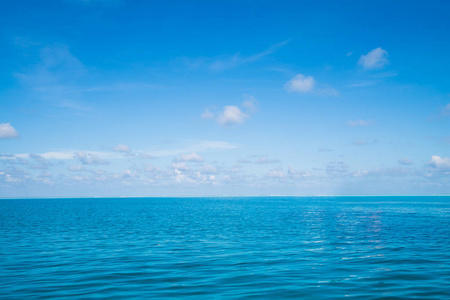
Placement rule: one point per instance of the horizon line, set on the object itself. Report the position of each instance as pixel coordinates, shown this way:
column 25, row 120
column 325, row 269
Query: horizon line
column 225, row 196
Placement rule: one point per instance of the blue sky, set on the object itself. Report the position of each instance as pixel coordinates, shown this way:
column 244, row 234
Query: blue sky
column 200, row 98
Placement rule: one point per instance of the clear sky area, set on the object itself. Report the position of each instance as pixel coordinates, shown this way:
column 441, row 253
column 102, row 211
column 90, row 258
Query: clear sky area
column 211, row 98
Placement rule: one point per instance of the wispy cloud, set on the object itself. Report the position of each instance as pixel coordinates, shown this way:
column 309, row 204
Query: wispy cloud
column 296, row 174
column 404, row 161
column 265, row 160
column 7, row 131
column 57, row 68
column 122, row 86
column 63, row 155
column 56, row 76
column 209, row 170
column 207, row 114
column 275, row 173
column 360, row 142
column 73, row 105
column 233, row 61
column 76, row 168
column 337, row 169
column 122, row 148
column 250, row 103
column 14, row 175
column 381, row 172
column 375, row 59
column 191, row 146
column 190, row 157
column 362, row 84
column 359, row 123
column 87, row 158
column 128, row 152
column 270, row 50
column 446, row 110
column 39, row 162
column 105, row 157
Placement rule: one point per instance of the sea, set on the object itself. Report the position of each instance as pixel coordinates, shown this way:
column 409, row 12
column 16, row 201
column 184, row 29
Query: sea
column 226, row 248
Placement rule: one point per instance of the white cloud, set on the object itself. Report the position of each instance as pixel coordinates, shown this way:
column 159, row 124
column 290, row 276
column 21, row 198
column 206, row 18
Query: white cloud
column 44, row 177
column 13, row 159
column 182, row 178
column 359, row 123
column 40, row 162
column 66, row 155
column 190, row 157
column 300, row 84
column 231, row 115
column 127, row 174
column 87, row 158
column 440, row 163
column 380, row 172
column 7, row 131
column 294, row 174
column 122, row 148
column 57, row 155
column 14, row 175
column 375, row 59
column 155, row 171
column 275, row 173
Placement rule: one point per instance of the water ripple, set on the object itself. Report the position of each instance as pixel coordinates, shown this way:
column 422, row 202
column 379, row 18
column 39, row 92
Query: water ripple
column 327, row 248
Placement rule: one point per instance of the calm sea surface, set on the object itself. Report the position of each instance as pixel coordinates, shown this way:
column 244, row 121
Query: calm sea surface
column 271, row 247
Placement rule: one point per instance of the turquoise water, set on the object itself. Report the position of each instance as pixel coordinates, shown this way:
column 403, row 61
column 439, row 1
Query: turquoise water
column 271, row 247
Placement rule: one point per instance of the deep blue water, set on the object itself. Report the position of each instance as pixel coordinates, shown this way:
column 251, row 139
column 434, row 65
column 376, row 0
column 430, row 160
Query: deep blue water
column 272, row 247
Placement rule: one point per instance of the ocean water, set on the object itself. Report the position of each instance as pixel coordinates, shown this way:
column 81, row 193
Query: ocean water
column 216, row 248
